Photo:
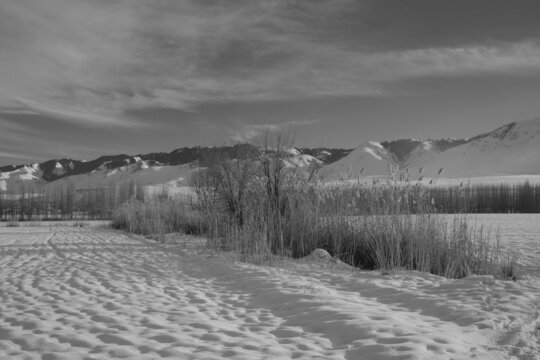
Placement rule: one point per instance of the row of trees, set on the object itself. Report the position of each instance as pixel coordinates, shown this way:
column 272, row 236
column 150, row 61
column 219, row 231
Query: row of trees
column 264, row 187
column 406, row 197
column 64, row 202
column 482, row 198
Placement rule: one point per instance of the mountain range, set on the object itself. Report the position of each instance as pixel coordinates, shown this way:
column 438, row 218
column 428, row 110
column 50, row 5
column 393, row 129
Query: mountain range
column 512, row 149
column 160, row 168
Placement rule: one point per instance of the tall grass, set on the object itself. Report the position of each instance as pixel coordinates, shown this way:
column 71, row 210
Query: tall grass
column 385, row 236
column 158, row 216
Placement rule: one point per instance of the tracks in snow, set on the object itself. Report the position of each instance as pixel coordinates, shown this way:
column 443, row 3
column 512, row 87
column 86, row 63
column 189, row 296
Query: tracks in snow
column 77, row 293
column 72, row 292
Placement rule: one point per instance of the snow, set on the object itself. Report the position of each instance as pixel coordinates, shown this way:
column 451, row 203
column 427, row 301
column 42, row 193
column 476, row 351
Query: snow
column 484, row 180
column 11, row 180
column 293, row 152
column 59, row 170
column 325, row 153
column 372, row 153
column 140, row 173
column 427, row 145
column 369, row 159
column 27, row 173
column 376, row 144
column 90, row 292
column 302, row 161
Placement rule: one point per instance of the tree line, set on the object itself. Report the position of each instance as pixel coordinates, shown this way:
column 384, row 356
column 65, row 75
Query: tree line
column 64, row 202
column 234, row 180
column 487, row 198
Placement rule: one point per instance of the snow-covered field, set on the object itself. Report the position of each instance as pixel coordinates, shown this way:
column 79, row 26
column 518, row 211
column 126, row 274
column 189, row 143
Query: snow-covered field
column 93, row 293
column 444, row 181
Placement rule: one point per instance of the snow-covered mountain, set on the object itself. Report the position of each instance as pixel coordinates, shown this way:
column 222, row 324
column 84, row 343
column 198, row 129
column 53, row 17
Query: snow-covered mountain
column 380, row 159
column 512, row 149
column 171, row 168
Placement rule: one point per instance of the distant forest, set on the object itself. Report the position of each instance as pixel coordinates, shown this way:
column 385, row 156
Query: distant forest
column 63, row 202
column 494, row 198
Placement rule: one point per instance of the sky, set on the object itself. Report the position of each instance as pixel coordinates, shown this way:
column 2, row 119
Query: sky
column 84, row 78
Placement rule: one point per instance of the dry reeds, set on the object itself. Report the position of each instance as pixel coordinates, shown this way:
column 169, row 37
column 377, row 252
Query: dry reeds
column 385, row 232
column 261, row 209
column 157, row 217
column 368, row 227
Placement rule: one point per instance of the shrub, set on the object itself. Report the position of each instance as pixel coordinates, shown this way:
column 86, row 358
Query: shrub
column 157, row 216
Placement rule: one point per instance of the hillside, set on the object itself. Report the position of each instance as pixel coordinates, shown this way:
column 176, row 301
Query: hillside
column 368, row 159
column 512, row 149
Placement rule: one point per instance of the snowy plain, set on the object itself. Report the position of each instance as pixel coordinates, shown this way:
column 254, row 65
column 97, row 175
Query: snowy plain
column 90, row 292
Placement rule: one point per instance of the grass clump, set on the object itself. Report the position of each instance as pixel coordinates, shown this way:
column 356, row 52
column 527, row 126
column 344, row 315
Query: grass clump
column 429, row 243
column 157, row 217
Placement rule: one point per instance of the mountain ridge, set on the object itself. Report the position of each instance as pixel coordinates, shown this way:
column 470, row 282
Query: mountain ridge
column 510, row 149
column 110, row 167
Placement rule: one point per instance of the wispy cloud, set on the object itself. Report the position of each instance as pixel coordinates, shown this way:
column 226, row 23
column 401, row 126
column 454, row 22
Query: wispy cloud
column 17, row 111
column 93, row 61
column 81, row 114
column 514, row 58
column 248, row 132
column 17, row 155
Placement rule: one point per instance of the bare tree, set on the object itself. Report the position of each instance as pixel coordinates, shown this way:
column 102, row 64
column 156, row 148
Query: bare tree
column 224, row 182
column 274, row 159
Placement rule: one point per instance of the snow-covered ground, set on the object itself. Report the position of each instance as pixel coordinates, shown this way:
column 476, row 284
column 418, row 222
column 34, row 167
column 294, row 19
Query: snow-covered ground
column 93, row 293
column 443, row 181
column 485, row 180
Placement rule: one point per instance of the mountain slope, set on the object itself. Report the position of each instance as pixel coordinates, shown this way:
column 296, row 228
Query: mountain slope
column 12, row 180
column 369, row 159
column 171, row 168
column 512, row 149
